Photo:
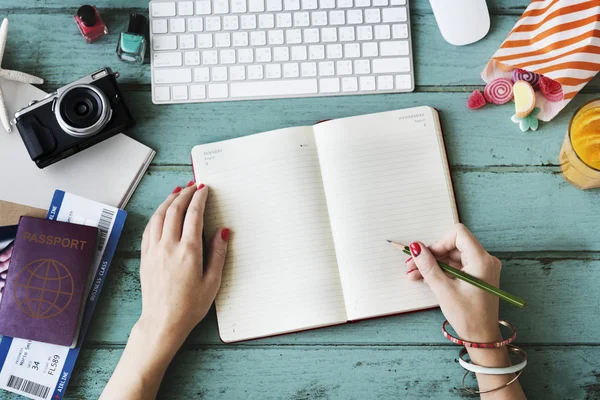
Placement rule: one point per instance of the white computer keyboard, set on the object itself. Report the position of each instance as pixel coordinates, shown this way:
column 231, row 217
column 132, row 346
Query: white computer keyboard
column 220, row 50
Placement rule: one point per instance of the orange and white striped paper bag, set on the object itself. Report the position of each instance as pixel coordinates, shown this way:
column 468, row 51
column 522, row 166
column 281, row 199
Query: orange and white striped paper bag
column 559, row 39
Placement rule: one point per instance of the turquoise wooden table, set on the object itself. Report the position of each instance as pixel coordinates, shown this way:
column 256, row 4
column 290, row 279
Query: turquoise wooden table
column 509, row 190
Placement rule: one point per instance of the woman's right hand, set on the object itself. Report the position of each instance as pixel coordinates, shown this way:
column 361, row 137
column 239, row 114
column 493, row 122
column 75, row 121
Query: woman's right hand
column 472, row 312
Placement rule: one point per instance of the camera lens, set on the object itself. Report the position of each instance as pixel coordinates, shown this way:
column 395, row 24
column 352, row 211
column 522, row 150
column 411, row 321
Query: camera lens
column 83, row 110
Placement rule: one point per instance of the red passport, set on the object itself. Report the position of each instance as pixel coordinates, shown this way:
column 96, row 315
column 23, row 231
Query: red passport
column 46, row 281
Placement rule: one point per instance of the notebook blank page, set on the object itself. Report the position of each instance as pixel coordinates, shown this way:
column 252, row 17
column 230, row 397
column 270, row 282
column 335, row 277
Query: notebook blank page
column 281, row 272
column 385, row 177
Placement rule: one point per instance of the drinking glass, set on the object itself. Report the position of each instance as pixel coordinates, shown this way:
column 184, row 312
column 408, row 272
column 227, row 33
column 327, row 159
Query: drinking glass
column 580, row 153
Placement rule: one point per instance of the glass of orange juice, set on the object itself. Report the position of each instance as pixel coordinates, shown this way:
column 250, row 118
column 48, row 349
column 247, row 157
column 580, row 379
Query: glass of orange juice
column 580, row 152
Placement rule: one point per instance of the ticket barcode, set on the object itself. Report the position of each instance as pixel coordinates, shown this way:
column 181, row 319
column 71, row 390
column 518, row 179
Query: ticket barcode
column 106, row 219
column 29, row 387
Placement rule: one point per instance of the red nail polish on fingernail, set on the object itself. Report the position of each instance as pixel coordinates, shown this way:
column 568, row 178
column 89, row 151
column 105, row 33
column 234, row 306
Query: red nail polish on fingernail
column 200, row 186
column 190, row 183
column 415, row 249
column 408, row 260
column 177, row 189
column 225, row 234
column 410, row 270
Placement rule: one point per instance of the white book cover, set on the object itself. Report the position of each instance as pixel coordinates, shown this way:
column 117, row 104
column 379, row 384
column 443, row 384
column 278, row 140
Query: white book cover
column 107, row 172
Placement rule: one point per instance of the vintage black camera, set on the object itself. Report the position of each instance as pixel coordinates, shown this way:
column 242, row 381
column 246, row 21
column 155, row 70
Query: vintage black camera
column 75, row 117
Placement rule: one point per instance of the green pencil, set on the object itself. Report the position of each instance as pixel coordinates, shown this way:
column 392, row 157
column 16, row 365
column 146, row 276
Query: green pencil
column 458, row 274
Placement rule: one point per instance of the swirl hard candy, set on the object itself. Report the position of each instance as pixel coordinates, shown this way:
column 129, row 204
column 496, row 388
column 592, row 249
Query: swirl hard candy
column 498, row 91
column 530, row 77
column 551, row 89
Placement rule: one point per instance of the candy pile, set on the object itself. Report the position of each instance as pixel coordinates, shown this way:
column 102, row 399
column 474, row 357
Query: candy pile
column 521, row 89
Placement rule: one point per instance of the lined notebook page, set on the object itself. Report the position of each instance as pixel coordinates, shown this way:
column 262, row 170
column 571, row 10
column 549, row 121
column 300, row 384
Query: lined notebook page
column 385, row 177
column 281, row 272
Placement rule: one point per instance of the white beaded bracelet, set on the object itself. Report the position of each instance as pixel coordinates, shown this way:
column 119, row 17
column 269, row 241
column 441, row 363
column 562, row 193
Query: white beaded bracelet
column 478, row 369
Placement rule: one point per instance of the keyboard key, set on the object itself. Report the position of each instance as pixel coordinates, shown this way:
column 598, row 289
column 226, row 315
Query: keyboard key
column 344, row 67
column 370, row 49
column 210, row 57
column 162, row 93
column 256, row 5
column 248, row 21
column 259, row 38
column 221, row 6
column 170, row 59
column 238, row 6
column 222, row 40
column 319, row 18
column 237, row 73
column 159, row 26
column 329, row 85
column 327, row 3
column 163, row 10
column 397, row 2
column 362, row 67
column 382, row 32
column 218, row 91
column 263, row 54
column 367, row 83
column 337, row 17
column 311, row 35
column 230, row 23
column 218, row 74
column 334, row 51
column 291, row 5
column 273, row 71
column 355, row 17
column 380, row 3
column 362, row 3
column 281, row 54
column 227, row 56
column 177, row 26
column 291, row 70
column 276, row 37
column 302, row 18
column 329, row 35
column 274, row 5
column 403, row 82
column 350, row 84
column 164, row 42
column 213, row 24
column 195, row 24
column 316, row 52
column 272, row 88
column 397, row 48
column 400, row 31
column 372, row 16
column 191, row 58
column 179, row 92
column 352, row 50
column 197, row 92
column 390, row 65
column 240, row 39
column 185, row 8
column 364, row 33
column 344, row 3
column 347, row 34
column 293, row 36
column 308, row 69
column 395, row 14
column 385, row 82
column 255, row 71
column 266, row 21
column 204, row 40
column 284, row 20
column 186, row 42
column 201, row 74
column 299, row 53
column 309, row 4
column 166, row 76
column 326, row 68
column 245, row 56
column 203, row 7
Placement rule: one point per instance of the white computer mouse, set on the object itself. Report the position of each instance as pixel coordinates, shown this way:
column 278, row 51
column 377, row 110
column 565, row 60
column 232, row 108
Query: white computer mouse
column 461, row 22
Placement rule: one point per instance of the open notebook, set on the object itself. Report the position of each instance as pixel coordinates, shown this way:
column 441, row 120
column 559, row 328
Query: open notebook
column 310, row 209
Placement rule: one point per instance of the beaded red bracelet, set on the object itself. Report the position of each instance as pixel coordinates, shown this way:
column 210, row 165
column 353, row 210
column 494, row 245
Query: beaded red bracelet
column 466, row 343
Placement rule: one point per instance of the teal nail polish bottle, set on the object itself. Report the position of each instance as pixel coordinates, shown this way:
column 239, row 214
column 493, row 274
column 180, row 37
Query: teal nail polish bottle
column 132, row 44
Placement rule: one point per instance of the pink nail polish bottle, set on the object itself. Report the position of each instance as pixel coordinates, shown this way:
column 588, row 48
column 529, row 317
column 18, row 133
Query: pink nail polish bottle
column 90, row 23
